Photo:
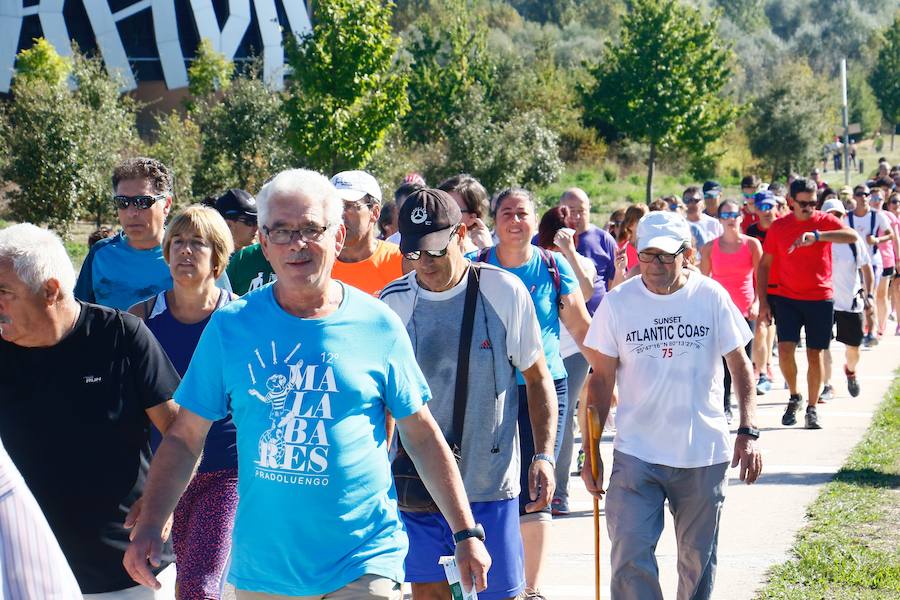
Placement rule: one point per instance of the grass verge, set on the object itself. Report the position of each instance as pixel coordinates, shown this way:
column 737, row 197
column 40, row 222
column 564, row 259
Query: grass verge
column 851, row 546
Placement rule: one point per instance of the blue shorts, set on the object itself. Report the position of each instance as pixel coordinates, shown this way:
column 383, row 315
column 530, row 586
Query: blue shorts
column 526, row 437
column 430, row 538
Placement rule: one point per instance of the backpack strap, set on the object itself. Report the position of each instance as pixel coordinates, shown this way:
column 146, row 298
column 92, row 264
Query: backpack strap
column 550, row 262
column 462, row 360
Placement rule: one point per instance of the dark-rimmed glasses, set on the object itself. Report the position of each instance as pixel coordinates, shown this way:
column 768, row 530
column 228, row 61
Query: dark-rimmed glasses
column 665, row 258
column 142, row 202
column 308, row 234
column 805, row 203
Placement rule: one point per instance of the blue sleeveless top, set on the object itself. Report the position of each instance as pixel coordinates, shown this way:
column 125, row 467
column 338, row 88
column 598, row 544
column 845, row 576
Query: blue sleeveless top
column 179, row 341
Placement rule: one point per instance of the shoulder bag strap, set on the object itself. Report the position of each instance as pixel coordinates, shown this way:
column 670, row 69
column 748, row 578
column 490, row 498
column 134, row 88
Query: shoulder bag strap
column 462, row 363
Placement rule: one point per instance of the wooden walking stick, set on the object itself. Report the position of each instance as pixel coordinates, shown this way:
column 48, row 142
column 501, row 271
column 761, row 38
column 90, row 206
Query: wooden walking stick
column 594, row 431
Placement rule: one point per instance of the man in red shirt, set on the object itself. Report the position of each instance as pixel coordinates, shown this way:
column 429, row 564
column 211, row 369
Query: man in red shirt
column 798, row 245
column 749, row 186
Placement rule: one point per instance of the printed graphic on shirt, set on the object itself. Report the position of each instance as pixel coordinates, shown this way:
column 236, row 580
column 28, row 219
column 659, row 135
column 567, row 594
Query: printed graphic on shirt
column 294, row 449
column 259, row 281
column 667, row 337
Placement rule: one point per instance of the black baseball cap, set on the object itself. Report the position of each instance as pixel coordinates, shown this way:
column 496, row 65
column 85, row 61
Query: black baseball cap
column 427, row 219
column 713, row 187
column 236, row 203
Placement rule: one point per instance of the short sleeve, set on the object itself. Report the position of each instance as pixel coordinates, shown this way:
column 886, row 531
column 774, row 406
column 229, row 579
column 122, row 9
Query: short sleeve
column 770, row 244
column 862, row 255
column 523, row 333
column 568, row 281
column 202, row 391
column 84, row 286
column 601, row 335
column 406, row 390
column 732, row 331
column 830, row 223
column 155, row 379
column 885, row 223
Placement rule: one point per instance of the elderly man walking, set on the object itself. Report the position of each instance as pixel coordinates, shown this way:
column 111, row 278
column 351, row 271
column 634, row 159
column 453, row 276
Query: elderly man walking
column 473, row 387
column 307, row 366
column 672, row 441
column 79, row 386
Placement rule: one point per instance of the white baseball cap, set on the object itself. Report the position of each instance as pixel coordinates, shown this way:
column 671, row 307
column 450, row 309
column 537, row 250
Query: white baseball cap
column 664, row 230
column 833, row 204
column 353, row 185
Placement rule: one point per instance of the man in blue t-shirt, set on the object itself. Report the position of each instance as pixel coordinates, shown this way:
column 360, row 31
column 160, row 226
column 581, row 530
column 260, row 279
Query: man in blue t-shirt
column 129, row 267
column 307, row 367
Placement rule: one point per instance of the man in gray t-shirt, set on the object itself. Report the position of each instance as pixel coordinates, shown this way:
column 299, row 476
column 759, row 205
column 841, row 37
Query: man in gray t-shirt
column 505, row 336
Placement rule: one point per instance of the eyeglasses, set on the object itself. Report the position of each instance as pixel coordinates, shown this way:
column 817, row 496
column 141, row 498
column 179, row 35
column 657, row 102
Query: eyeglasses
column 692, row 200
column 666, row 259
column 805, row 204
column 309, row 234
column 249, row 221
column 729, row 215
column 862, row 194
column 417, row 254
column 141, row 202
column 356, row 205
column 615, row 223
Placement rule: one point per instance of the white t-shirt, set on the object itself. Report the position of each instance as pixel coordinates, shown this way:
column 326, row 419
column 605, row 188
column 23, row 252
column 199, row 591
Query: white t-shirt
column 845, row 275
column 863, row 226
column 710, row 227
column 669, row 377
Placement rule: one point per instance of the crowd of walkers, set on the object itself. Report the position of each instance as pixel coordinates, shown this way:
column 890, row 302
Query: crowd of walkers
column 316, row 393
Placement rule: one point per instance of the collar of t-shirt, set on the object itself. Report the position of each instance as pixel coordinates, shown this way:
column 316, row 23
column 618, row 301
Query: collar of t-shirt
column 447, row 294
column 675, row 296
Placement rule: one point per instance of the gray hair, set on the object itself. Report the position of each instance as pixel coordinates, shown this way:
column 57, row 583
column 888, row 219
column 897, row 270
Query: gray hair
column 37, row 256
column 306, row 183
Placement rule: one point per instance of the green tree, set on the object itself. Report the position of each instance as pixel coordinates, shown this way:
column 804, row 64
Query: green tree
column 345, row 91
column 663, row 82
column 786, row 128
column 210, row 71
column 885, row 79
column 241, row 136
column 862, row 103
column 749, row 15
column 43, row 61
column 179, row 146
column 62, row 144
column 447, row 50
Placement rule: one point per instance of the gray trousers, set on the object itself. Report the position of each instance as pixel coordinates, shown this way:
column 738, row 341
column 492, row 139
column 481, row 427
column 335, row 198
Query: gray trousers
column 577, row 368
column 634, row 516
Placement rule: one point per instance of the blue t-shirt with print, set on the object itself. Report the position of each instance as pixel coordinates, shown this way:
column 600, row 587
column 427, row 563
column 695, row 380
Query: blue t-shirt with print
column 118, row 275
column 539, row 283
column 317, row 506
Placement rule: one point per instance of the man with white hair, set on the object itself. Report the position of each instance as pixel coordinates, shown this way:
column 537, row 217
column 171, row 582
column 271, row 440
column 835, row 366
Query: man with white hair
column 79, row 386
column 672, row 441
column 307, row 367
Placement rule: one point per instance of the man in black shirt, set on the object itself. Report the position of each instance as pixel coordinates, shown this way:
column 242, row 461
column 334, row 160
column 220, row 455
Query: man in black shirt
column 79, row 386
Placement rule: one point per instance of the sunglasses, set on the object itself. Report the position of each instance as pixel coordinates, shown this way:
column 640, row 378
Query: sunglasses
column 729, row 215
column 862, row 194
column 246, row 220
column 417, row 254
column 141, row 202
column 666, row 259
column 806, row 204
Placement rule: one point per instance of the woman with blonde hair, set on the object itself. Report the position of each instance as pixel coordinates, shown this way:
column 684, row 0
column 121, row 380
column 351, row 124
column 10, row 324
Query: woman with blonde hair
column 196, row 247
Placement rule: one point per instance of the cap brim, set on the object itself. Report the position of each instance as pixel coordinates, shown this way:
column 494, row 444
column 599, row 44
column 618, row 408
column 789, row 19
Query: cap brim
column 350, row 195
column 664, row 243
column 436, row 240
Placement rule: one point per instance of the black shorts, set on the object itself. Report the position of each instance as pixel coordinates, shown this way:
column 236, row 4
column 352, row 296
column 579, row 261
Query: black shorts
column 792, row 315
column 888, row 272
column 849, row 328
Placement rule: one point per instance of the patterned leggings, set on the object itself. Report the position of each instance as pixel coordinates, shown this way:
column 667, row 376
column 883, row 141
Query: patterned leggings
column 201, row 534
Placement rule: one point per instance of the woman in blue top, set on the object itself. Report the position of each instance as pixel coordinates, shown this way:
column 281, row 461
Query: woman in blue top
column 196, row 247
column 556, row 298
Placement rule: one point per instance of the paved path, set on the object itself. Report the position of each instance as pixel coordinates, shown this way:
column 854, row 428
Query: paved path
column 759, row 522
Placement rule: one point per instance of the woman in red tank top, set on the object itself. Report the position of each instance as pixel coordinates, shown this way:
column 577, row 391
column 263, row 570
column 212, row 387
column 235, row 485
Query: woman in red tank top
column 731, row 259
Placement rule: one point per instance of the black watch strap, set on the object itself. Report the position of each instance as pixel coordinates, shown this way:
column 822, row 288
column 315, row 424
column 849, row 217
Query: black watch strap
column 751, row 431
column 475, row 532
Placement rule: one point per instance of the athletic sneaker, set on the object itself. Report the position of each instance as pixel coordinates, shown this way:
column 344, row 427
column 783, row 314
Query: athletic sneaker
column 870, row 341
column 852, row 383
column 763, row 385
column 530, row 594
column 812, row 418
column 559, row 507
column 790, row 413
column 897, row 332
column 579, row 462
column 827, row 394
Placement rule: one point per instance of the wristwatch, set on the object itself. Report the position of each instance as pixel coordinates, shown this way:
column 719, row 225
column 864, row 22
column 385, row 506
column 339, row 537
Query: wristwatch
column 475, row 532
column 751, row 431
column 546, row 457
